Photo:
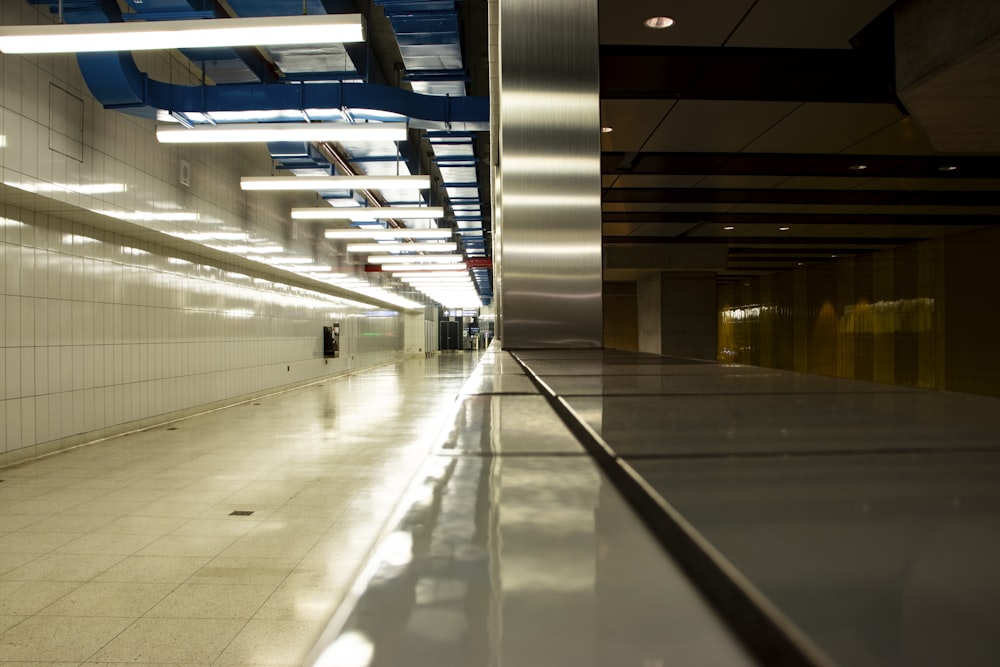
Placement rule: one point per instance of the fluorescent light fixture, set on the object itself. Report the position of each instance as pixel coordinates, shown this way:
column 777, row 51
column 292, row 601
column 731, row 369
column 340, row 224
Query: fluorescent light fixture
column 324, row 183
column 265, row 132
column 367, row 213
column 440, row 282
column 415, row 259
column 407, row 268
column 388, row 234
column 402, row 247
column 445, row 275
column 185, row 34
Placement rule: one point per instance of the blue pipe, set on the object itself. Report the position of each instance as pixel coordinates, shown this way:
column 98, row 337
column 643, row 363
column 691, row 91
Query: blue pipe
column 117, row 83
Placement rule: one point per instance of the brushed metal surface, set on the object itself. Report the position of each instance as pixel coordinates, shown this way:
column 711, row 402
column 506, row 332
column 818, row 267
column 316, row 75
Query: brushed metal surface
column 548, row 177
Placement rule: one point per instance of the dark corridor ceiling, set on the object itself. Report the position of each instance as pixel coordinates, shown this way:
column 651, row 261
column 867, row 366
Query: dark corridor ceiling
column 773, row 128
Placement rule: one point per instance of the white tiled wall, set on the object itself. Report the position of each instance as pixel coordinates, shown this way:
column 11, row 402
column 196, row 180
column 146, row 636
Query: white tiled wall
column 102, row 332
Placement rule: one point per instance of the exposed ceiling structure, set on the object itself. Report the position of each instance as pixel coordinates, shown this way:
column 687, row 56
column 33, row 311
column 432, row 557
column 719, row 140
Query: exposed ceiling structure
column 749, row 137
column 408, row 73
column 755, row 136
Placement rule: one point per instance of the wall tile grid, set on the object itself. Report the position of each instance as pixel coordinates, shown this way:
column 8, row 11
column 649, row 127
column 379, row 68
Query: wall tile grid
column 917, row 315
column 103, row 332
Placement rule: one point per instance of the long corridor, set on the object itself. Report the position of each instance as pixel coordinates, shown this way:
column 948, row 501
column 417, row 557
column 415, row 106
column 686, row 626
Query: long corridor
column 224, row 539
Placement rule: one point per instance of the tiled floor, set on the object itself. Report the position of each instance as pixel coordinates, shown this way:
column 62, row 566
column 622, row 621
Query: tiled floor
column 126, row 551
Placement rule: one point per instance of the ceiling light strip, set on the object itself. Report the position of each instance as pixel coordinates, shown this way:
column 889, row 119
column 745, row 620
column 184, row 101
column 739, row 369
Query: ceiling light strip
column 266, row 132
column 415, row 268
column 387, row 234
column 415, row 259
column 402, row 247
column 324, row 183
column 368, row 213
column 184, row 34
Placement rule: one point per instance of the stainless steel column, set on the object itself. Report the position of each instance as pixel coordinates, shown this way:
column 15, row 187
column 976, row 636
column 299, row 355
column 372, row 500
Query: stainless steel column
column 547, row 171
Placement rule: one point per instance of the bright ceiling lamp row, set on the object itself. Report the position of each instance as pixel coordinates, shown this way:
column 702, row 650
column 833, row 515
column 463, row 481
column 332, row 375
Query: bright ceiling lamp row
column 452, row 289
column 267, row 132
column 422, row 272
column 184, row 34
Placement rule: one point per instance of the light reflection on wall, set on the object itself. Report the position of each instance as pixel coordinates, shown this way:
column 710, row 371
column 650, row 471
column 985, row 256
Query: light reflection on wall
column 875, row 317
column 888, row 317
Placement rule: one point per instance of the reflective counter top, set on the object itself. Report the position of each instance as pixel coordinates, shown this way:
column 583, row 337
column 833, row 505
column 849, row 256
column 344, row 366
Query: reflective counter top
column 513, row 548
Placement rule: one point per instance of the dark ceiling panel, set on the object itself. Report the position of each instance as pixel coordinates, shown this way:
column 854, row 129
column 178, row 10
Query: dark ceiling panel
column 800, row 219
column 789, row 124
column 832, row 245
column 792, row 164
column 802, row 196
column 792, row 75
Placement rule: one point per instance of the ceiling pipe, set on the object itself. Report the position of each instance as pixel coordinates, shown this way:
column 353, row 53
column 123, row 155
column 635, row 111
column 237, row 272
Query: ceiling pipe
column 341, row 164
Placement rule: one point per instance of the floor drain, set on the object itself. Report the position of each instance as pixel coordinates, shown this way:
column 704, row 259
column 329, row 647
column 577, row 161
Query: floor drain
column 241, row 513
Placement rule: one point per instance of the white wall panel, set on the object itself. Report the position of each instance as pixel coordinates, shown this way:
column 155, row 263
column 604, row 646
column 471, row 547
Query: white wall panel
column 105, row 330
column 157, row 340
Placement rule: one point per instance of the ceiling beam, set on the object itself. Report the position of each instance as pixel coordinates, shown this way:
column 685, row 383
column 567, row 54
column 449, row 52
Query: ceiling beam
column 801, row 218
column 808, row 244
column 802, row 164
column 803, row 196
column 728, row 73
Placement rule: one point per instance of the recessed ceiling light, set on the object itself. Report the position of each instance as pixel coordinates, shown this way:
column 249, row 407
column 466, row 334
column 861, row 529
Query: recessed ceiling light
column 607, row 130
column 658, row 22
column 729, row 228
column 949, row 167
column 858, row 167
column 783, row 229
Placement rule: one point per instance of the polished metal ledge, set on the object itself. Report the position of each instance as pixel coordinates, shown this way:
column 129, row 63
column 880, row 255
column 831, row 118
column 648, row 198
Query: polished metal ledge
column 557, row 520
column 513, row 548
column 868, row 514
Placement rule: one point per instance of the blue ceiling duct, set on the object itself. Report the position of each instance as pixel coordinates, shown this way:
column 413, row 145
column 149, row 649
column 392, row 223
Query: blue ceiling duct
column 321, row 83
column 116, row 82
column 429, row 38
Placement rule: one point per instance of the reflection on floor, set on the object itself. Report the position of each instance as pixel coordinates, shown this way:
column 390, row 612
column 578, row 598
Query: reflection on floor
column 128, row 551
